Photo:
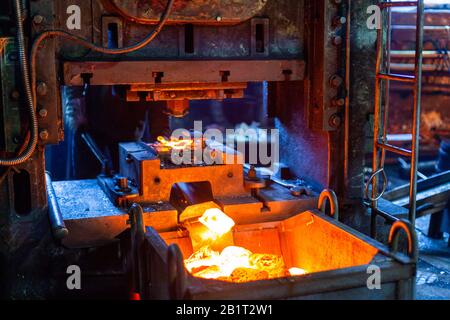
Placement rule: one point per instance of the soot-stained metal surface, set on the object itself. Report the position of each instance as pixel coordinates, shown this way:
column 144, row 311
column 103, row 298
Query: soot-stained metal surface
column 197, row 11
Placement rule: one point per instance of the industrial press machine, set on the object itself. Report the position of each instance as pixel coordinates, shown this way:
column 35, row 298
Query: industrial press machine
column 132, row 231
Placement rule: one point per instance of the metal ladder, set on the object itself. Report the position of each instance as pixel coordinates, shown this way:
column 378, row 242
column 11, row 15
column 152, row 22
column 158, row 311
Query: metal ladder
column 380, row 144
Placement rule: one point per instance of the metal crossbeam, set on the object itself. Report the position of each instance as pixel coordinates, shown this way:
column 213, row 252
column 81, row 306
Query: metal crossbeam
column 399, row 4
column 395, row 149
column 396, row 77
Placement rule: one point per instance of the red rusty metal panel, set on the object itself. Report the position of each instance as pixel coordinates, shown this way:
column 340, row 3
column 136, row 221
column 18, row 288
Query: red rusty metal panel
column 188, row 11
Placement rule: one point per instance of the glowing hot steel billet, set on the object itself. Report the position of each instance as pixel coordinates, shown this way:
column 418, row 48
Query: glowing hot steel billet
column 296, row 271
column 217, row 221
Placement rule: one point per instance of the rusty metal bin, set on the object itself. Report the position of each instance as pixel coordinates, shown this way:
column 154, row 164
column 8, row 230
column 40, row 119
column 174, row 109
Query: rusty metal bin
column 336, row 257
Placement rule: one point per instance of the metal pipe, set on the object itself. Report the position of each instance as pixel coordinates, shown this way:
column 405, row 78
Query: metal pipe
column 429, row 54
column 59, row 229
column 411, row 67
column 396, row 77
column 387, row 86
column 397, row 4
column 376, row 133
column 395, row 149
column 23, row 61
column 416, row 115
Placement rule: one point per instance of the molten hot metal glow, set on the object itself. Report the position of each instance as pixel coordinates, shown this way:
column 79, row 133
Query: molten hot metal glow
column 178, row 144
column 217, row 221
column 233, row 263
column 296, row 271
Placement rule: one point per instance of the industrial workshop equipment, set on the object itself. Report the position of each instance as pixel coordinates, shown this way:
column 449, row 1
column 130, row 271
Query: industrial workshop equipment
column 156, row 229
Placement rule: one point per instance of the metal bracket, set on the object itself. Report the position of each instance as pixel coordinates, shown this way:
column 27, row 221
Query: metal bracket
column 408, row 228
column 329, row 195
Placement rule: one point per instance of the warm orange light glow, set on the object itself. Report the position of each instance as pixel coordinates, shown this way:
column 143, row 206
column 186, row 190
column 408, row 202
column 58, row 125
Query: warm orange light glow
column 173, row 143
column 205, row 257
column 296, row 271
column 233, row 263
column 233, row 258
column 217, row 221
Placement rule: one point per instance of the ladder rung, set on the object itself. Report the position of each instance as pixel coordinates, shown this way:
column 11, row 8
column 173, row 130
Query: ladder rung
column 384, row 5
column 398, row 150
column 397, row 77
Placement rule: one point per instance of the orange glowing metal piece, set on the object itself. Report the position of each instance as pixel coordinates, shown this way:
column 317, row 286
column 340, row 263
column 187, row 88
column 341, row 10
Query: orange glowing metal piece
column 162, row 140
column 204, row 257
column 296, row 271
column 217, row 221
column 173, row 143
column 233, row 258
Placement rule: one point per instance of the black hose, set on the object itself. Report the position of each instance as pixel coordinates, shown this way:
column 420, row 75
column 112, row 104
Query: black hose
column 59, row 229
column 31, row 145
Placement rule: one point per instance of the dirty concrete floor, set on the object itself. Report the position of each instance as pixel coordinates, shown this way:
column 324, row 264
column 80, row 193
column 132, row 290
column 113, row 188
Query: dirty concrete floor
column 433, row 273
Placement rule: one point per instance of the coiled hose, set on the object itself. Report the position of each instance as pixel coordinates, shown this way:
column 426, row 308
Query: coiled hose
column 31, row 97
column 31, row 145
